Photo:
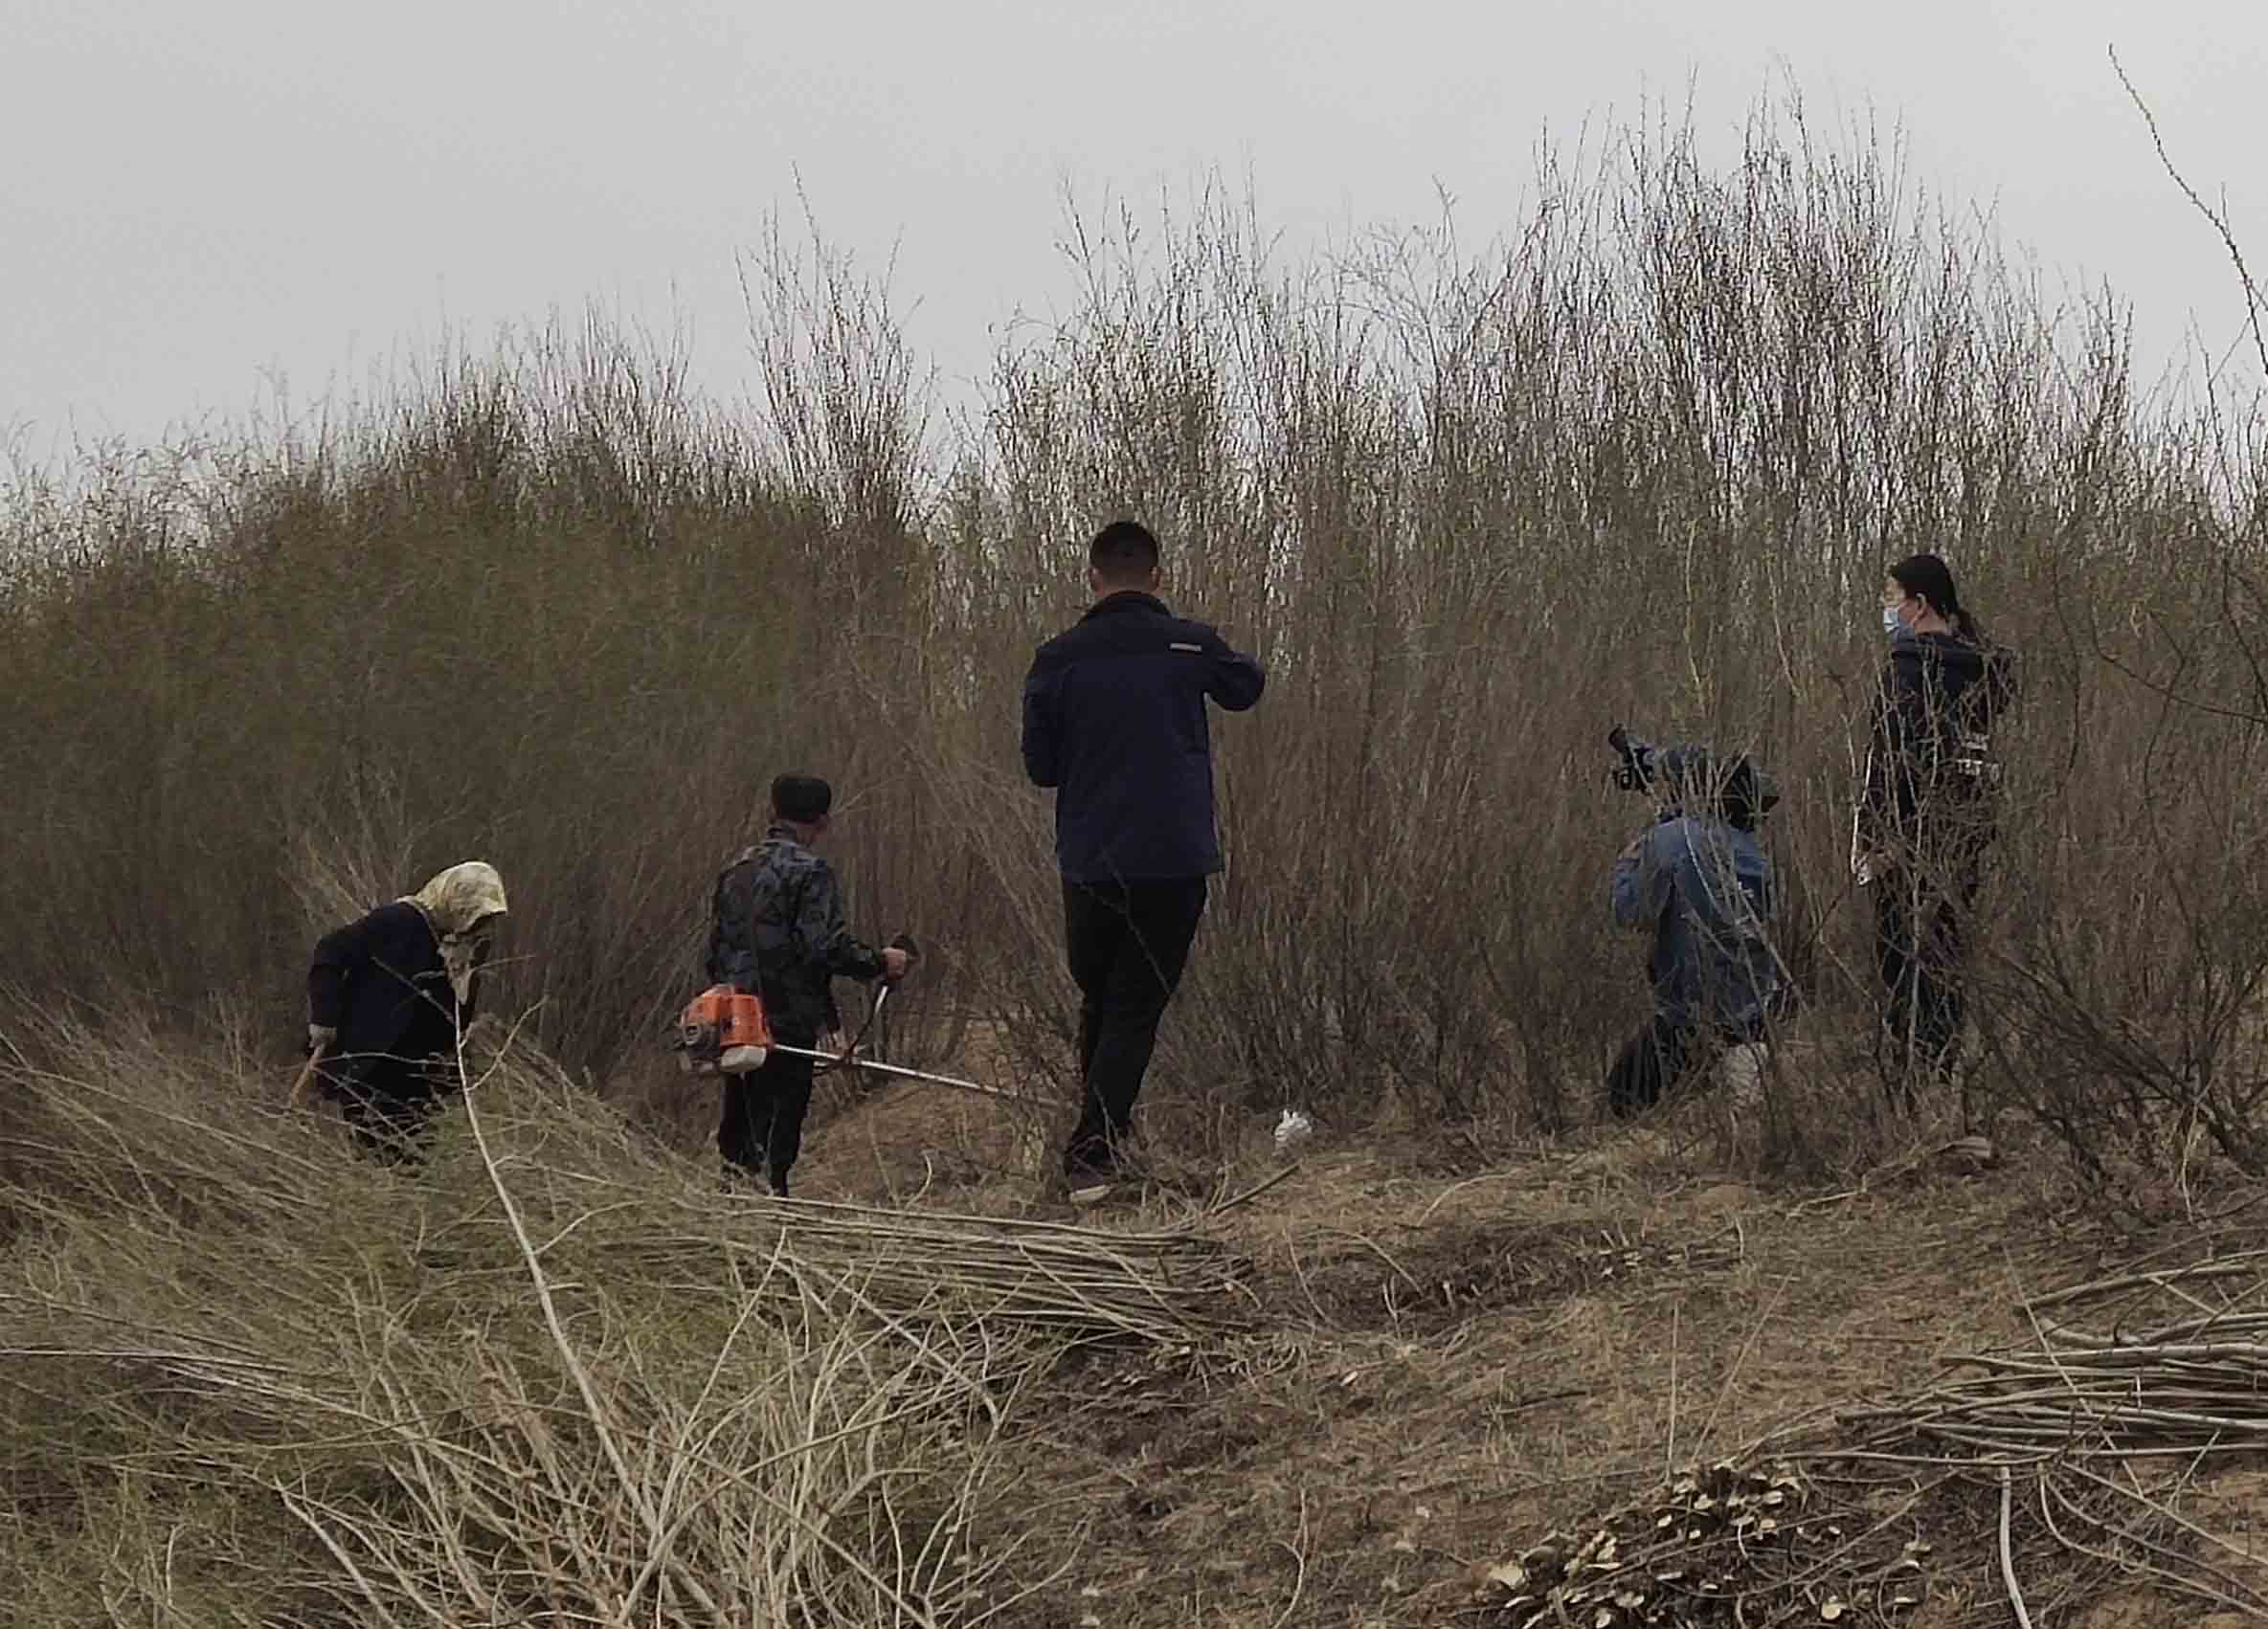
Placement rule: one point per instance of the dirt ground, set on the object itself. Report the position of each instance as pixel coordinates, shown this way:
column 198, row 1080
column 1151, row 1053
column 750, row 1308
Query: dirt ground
column 1458, row 1350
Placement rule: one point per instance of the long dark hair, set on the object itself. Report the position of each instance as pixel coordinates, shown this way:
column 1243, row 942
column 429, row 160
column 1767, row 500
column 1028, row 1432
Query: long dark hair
column 1931, row 580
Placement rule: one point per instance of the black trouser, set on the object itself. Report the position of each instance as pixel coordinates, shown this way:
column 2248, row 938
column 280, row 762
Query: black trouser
column 1667, row 1053
column 1921, row 921
column 1127, row 944
column 762, row 1126
column 389, row 1105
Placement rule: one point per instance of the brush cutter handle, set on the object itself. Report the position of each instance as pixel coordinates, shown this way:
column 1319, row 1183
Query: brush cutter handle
column 903, row 944
column 883, row 986
column 321, row 1039
column 303, row 1090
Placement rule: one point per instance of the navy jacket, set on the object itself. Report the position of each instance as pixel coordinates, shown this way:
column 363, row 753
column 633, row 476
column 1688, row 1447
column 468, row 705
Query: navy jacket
column 379, row 981
column 1930, row 760
column 1115, row 720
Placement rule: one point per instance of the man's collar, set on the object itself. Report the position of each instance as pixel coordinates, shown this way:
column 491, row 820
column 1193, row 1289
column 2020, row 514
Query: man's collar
column 1126, row 599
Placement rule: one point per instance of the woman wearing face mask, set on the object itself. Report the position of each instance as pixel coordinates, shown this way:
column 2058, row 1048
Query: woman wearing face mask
column 390, row 997
column 1925, row 814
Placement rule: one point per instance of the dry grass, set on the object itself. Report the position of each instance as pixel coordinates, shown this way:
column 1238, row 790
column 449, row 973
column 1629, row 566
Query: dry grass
column 1458, row 1362
column 556, row 1378
column 253, row 1380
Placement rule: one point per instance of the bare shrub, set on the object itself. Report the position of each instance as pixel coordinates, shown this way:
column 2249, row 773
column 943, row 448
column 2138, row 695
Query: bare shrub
column 1643, row 458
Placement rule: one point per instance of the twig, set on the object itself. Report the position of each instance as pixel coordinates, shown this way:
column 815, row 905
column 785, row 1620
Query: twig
column 2008, row 1561
column 1669, row 1454
column 1733, row 1375
column 1255, row 1191
column 1298, row 1550
column 631, row 1489
column 2250, row 1263
column 1520, row 1405
column 2252, row 293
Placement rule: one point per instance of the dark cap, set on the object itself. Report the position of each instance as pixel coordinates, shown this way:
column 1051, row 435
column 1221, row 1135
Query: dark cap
column 1734, row 786
column 804, row 799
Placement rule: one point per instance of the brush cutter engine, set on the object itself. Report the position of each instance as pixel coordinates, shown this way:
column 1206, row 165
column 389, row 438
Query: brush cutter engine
column 723, row 1031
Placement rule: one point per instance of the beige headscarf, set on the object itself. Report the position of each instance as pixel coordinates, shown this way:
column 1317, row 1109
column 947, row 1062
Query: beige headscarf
column 453, row 903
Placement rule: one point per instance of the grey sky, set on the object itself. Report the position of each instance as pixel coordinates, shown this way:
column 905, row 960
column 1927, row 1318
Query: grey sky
column 202, row 194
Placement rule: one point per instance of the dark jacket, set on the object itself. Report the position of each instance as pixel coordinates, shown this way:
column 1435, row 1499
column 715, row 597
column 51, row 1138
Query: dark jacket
column 776, row 930
column 380, row 982
column 1930, row 769
column 1115, row 720
column 1704, row 888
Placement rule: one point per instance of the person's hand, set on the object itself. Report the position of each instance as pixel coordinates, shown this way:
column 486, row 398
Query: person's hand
column 320, row 1037
column 894, row 962
column 1632, row 849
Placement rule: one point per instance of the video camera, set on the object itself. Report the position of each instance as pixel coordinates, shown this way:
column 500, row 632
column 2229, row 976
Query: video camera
column 1735, row 786
column 1638, row 766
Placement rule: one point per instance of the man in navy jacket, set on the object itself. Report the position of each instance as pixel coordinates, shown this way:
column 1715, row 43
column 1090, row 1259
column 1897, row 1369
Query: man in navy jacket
column 1115, row 720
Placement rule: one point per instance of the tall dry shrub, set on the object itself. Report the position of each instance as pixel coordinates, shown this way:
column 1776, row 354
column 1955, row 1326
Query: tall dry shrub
column 1643, row 458
column 1646, row 462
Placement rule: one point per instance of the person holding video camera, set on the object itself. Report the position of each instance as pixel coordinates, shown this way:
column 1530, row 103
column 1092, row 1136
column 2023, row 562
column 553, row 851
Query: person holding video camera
column 1699, row 881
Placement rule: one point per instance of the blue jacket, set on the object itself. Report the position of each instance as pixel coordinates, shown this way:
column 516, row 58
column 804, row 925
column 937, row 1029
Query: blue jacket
column 1115, row 720
column 1705, row 889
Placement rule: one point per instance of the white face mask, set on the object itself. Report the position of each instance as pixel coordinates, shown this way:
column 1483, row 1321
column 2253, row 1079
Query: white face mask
column 1891, row 622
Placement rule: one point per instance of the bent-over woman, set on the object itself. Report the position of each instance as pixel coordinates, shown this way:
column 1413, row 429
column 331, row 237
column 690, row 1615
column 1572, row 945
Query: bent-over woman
column 388, row 998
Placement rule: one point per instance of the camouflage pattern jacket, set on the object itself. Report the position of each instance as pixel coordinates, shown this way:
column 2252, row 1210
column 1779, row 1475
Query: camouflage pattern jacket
column 776, row 928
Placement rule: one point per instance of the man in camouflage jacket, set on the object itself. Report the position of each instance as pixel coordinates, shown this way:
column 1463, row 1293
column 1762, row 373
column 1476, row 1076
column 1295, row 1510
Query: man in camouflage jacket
column 777, row 930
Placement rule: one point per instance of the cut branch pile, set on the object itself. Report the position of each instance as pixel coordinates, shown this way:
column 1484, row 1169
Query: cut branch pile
column 1724, row 1545
column 2070, row 1459
column 2099, row 1433
column 1165, row 1288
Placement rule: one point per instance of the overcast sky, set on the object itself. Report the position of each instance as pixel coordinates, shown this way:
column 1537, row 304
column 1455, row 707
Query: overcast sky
column 201, row 196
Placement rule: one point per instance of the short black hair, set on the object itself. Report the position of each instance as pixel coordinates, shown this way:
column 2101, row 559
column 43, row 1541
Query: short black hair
column 1123, row 550
column 804, row 799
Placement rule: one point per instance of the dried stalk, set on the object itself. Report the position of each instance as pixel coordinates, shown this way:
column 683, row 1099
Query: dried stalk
column 2008, row 1561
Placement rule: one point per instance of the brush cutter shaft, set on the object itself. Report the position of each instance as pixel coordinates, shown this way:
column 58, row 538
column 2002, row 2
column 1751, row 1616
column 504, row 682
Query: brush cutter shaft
column 847, row 1062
